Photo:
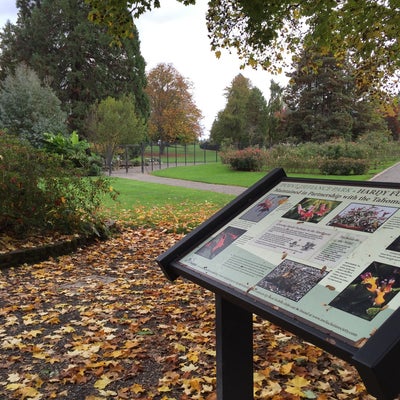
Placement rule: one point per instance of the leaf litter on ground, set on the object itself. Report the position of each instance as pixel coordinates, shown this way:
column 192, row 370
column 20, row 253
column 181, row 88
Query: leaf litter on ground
column 104, row 323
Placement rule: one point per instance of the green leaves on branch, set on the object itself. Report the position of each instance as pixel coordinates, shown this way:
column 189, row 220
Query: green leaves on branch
column 75, row 150
column 269, row 32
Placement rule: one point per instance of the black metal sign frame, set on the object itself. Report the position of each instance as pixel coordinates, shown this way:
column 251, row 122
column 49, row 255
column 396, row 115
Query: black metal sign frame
column 359, row 209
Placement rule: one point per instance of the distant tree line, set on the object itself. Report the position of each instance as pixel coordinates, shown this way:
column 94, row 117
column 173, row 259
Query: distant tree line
column 321, row 103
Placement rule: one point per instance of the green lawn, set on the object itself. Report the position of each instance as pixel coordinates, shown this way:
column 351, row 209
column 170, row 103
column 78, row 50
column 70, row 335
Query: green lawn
column 221, row 174
column 136, row 194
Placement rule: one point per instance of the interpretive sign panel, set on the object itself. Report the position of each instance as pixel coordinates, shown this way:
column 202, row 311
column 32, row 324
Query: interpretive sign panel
column 325, row 254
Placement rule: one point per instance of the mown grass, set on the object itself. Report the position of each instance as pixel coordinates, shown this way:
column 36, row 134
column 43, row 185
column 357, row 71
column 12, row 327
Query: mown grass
column 219, row 173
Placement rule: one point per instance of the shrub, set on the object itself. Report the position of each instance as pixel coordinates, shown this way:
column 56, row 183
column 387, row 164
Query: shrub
column 344, row 166
column 42, row 192
column 250, row 159
column 75, row 150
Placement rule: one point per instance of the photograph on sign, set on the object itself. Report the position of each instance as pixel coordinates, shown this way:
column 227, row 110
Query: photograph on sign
column 220, row 242
column 311, row 210
column 362, row 217
column 370, row 292
column 264, row 207
column 292, row 279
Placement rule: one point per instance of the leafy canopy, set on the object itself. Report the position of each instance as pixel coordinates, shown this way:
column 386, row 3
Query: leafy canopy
column 243, row 120
column 267, row 32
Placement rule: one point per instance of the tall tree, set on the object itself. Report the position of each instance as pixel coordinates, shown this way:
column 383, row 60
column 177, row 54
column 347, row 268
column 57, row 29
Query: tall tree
column 324, row 103
column 114, row 122
column 56, row 39
column 174, row 115
column 262, row 31
column 243, row 120
column 276, row 114
column 256, row 117
column 28, row 109
column 319, row 99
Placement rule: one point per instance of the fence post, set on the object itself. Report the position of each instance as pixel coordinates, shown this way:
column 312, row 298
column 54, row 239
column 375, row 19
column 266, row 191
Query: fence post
column 126, row 159
column 159, row 155
column 151, row 155
column 142, row 148
column 167, row 155
column 185, row 147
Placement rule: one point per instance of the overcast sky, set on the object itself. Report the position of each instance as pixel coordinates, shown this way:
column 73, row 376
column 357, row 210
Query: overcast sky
column 177, row 34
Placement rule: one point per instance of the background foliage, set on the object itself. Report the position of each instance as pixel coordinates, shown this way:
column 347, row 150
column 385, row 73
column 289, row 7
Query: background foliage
column 74, row 56
column 28, row 108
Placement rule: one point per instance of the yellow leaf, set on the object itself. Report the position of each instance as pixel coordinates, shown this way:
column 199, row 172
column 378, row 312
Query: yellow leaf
column 295, row 390
column 102, row 382
column 299, row 381
column 136, row 388
column 28, row 392
column 13, row 377
column 130, row 344
column 258, row 378
column 179, row 347
column 164, row 388
column 353, row 390
column 296, row 384
column 272, row 389
column 14, row 386
column 193, row 357
column 195, row 384
column 188, row 368
column 116, row 353
column 67, row 329
column 286, row 368
column 39, row 355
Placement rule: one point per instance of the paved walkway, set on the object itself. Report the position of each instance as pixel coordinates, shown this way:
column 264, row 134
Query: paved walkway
column 392, row 174
column 146, row 177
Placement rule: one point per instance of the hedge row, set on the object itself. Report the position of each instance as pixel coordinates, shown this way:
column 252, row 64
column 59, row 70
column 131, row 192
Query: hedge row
column 331, row 159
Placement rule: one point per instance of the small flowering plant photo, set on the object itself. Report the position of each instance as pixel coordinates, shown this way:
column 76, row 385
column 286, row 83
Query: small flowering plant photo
column 311, row 210
column 370, row 293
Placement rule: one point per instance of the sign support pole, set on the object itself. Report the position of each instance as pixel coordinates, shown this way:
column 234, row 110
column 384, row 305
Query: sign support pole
column 234, row 336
